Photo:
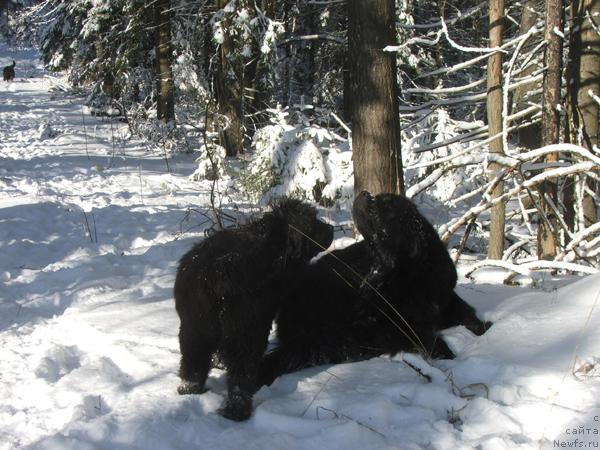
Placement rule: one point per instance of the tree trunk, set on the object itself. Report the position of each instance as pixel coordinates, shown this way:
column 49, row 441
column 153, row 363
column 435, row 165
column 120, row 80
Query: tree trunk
column 547, row 237
column 374, row 90
column 585, row 73
column 165, row 106
column 229, row 85
column 530, row 136
column 494, row 114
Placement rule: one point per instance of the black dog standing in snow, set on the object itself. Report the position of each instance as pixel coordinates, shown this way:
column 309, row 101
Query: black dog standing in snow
column 227, row 293
column 348, row 304
column 9, row 72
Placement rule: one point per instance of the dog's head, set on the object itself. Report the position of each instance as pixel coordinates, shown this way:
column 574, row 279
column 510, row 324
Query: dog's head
column 306, row 234
column 392, row 226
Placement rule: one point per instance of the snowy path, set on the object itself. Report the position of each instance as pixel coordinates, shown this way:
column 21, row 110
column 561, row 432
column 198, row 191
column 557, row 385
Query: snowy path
column 88, row 330
column 82, row 324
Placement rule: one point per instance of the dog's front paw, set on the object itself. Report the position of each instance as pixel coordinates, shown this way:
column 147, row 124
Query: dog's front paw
column 236, row 411
column 238, row 405
column 190, row 388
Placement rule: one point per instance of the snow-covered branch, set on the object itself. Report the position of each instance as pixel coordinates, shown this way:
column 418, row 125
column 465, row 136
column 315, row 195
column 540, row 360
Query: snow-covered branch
column 477, row 97
column 466, row 137
column 457, row 67
column 462, row 16
column 527, row 184
column 527, row 268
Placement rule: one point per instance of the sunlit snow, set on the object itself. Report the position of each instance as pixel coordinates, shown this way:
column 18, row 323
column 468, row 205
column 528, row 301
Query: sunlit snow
column 90, row 236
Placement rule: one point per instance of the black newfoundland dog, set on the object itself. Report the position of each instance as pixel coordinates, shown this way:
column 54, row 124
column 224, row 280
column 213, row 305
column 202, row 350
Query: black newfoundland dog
column 228, row 290
column 391, row 292
column 8, row 72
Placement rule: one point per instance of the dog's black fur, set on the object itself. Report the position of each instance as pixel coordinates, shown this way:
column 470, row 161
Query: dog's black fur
column 227, row 293
column 9, row 72
column 340, row 310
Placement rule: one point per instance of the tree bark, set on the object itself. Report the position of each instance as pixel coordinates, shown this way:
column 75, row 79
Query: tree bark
column 165, row 106
column 229, row 85
column 585, row 73
column 547, row 238
column 530, row 136
column 374, row 90
column 494, row 115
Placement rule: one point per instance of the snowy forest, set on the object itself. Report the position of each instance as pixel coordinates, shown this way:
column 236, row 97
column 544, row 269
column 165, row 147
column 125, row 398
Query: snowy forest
column 274, row 94
column 132, row 130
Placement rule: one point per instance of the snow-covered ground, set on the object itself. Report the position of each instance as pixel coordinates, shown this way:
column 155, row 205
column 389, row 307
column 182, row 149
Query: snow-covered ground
column 90, row 235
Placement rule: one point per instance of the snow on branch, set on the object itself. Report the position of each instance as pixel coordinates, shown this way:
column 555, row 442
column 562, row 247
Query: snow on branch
column 449, row 159
column 460, row 16
column 477, row 97
column 555, row 148
column 457, row 67
column 313, row 37
column 581, row 240
column 444, row 91
column 466, row 137
column 443, row 31
column 527, row 268
column 487, row 203
column 462, row 48
column 533, row 30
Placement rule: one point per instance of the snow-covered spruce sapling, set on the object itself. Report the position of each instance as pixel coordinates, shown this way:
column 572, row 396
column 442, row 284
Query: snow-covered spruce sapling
column 293, row 156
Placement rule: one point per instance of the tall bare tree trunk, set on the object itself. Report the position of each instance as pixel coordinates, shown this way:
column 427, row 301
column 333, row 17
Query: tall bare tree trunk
column 229, row 87
column 585, row 73
column 494, row 115
column 530, row 136
column 165, row 106
column 547, row 238
column 374, row 90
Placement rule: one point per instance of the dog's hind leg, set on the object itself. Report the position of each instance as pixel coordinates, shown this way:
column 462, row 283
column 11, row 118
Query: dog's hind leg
column 198, row 342
column 244, row 344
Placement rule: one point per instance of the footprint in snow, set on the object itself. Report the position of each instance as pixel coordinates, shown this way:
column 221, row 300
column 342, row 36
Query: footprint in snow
column 59, row 361
column 91, row 407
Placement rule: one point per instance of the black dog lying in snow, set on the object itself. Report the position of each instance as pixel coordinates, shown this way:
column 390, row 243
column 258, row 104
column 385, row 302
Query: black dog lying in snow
column 347, row 305
column 227, row 293
column 9, row 72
